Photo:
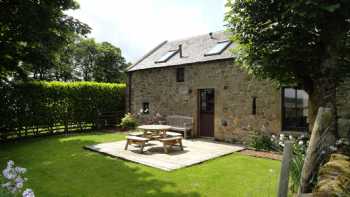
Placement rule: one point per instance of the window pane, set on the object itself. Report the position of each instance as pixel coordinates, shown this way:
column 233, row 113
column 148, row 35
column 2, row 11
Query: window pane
column 167, row 56
column 218, row 48
column 295, row 108
column 180, row 74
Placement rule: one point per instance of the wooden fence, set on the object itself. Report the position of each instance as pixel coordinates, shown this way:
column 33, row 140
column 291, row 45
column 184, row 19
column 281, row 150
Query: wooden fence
column 104, row 120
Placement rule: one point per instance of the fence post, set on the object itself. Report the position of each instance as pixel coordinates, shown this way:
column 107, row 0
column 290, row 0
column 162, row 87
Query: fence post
column 284, row 175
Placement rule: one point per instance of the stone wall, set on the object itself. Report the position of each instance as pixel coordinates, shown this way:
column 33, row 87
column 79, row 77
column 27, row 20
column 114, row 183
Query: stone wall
column 343, row 100
column 343, row 107
column 234, row 92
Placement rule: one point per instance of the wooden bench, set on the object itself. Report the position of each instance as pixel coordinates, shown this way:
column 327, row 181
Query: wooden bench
column 180, row 124
column 171, row 141
column 136, row 140
column 173, row 134
column 136, row 133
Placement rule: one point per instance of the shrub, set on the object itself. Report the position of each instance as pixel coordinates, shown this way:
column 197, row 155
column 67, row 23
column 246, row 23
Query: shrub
column 261, row 141
column 48, row 104
column 128, row 122
column 299, row 150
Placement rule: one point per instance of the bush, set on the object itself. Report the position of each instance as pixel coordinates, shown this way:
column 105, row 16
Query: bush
column 261, row 141
column 128, row 122
column 24, row 106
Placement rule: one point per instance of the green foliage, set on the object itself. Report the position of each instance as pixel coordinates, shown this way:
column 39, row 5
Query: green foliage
column 85, row 59
column 4, row 193
column 32, row 32
column 128, row 122
column 296, row 167
column 100, row 62
column 26, row 105
column 261, row 141
column 298, row 42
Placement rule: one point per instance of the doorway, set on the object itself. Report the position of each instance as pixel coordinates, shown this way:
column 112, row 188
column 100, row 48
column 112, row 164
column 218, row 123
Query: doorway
column 206, row 100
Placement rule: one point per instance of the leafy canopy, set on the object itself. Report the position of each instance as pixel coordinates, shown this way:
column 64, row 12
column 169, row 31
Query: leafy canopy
column 292, row 41
column 31, row 32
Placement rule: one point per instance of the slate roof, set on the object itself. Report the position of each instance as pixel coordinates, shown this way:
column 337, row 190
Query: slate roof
column 193, row 51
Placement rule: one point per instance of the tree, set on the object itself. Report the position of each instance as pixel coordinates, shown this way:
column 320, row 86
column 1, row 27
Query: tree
column 85, row 57
column 65, row 64
column 305, row 43
column 31, row 33
column 100, row 62
column 110, row 64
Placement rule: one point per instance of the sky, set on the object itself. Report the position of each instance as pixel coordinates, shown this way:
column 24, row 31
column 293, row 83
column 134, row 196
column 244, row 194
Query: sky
column 137, row 26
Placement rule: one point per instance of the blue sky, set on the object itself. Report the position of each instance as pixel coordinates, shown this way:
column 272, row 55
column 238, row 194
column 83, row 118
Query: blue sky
column 136, row 26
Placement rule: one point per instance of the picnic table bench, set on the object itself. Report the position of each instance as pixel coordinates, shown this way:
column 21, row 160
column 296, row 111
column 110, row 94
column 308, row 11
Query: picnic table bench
column 136, row 140
column 171, row 141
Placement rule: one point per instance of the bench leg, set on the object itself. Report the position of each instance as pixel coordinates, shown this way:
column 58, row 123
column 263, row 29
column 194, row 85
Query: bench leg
column 126, row 145
column 142, row 146
column 165, row 148
column 180, row 143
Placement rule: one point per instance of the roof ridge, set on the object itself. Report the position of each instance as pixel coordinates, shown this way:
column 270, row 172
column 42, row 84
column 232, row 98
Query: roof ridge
column 196, row 36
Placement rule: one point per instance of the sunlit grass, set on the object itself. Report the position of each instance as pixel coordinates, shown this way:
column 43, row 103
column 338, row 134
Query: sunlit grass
column 59, row 166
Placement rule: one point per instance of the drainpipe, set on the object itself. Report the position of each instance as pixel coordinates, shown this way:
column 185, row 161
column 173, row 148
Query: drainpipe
column 129, row 91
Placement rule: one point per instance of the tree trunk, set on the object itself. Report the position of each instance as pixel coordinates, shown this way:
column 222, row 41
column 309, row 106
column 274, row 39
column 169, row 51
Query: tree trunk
column 322, row 137
column 322, row 99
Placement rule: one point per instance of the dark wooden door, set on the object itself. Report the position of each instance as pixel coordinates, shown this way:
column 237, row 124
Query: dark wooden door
column 206, row 112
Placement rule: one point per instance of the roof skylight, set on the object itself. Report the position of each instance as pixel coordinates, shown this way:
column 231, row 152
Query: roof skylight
column 218, row 48
column 167, row 56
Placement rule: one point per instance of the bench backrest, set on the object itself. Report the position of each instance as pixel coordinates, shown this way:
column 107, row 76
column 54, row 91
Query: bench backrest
column 179, row 121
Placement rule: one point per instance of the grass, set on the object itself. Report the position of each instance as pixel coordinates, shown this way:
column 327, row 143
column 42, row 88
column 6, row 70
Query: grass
column 59, row 166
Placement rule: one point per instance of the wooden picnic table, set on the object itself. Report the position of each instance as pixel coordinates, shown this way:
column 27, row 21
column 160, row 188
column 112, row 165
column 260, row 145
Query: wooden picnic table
column 154, row 131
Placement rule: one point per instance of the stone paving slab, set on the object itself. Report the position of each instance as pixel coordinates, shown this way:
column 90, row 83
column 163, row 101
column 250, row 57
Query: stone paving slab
column 195, row 151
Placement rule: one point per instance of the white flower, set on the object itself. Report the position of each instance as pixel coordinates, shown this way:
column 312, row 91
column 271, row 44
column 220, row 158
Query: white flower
column 6, row 185
column 141, row 111
column 10, row 164
column 333, row 148
column 300, row 142
column 282, row 137
column 281, row 144
column 273, row 136
column 290, row 137
column 19, row 185
column 20, row 170
column 28, row 193
column 9, row 173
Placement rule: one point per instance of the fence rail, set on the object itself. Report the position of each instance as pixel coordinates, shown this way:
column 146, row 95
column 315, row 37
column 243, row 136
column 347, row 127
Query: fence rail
column 104, row 120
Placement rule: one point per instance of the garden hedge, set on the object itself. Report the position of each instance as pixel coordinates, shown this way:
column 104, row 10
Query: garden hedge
column 39, row 107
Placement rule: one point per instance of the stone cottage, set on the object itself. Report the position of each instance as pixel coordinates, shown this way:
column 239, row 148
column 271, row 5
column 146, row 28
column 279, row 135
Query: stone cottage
column 198, row 77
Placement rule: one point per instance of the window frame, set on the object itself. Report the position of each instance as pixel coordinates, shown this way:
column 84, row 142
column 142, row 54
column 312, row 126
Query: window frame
column 208, row 53
column 254, row 105
column 284, row 126
column 180, row 74
column 171, row 53
column 144, row 104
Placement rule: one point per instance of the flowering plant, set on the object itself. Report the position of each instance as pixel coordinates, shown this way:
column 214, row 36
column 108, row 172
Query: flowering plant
column 14, row 182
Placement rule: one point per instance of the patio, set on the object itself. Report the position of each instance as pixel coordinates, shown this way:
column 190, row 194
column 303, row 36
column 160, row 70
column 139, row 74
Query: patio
column 195, row 151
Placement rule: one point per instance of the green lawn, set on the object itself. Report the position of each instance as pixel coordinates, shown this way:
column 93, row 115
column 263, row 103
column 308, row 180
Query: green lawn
column 59, row 166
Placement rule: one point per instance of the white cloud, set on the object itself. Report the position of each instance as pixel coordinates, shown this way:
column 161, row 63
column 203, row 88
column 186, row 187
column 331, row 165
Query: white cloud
column 137, row 26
